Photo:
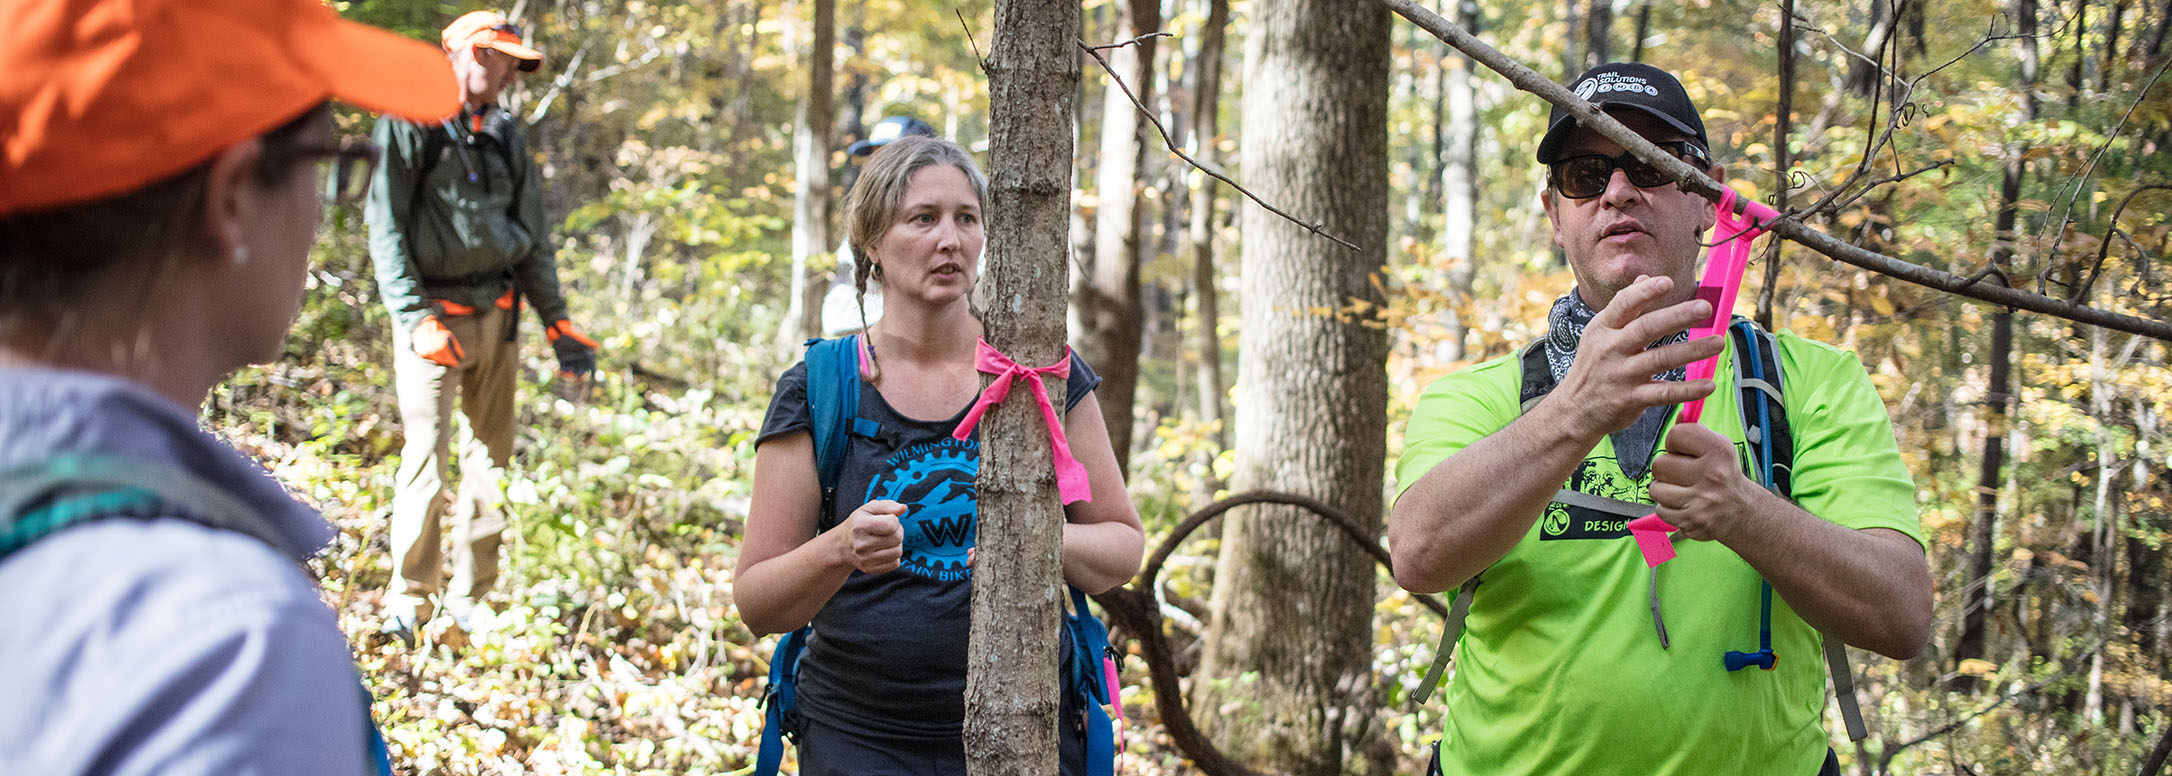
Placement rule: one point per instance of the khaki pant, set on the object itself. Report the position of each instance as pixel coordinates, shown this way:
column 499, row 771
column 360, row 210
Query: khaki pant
column 483, row 385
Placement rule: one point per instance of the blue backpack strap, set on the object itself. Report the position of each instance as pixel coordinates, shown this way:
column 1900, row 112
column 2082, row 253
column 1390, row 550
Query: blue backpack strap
column 833, row 411
column 43, row 498
column 833, row 402
column 780, row 700
column 1086, row 679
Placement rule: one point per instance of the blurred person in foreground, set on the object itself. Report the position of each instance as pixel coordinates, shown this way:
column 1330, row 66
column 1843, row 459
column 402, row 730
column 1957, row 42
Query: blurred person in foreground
column 164, row 165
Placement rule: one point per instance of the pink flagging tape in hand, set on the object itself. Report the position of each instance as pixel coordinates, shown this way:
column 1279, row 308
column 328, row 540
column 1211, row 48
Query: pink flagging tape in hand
column 1722, row 279
column 1071, row 482
column 1650, row 533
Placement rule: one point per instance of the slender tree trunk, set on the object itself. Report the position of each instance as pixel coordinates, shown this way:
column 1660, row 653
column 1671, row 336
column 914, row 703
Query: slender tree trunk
column 811, row 203
column 1598, row 33
column 1998, row 397
column 1112, row 320
column 2155, row 47
column 1570, row 60
column 2109, row 68
column 1783, row 158
column 1459, row 183
column 1864, row 77
column 1206, row 290
column 1293, row 597
column 852, row 114
column 2074, row 75
column 1011, row 693
column 1644, row 26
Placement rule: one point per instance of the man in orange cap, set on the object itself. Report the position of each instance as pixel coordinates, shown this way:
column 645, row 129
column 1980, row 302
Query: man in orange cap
column 459, row 239
column 163, row 170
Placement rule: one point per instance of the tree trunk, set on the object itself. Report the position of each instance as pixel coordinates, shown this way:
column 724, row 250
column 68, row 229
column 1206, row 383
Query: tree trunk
column 2108, row 68
column 1644, row 27
column 1112, row 320
column 1459, row 183
column 1977, row 599
column 2155, row 47
column 1293, row 598
column 1011, row 693
column 811, row 203
column 2074, row 79
column 852, row 114
column 1598, row 30
column 1783, row 158
column 1569, row 58
column 1206, row 292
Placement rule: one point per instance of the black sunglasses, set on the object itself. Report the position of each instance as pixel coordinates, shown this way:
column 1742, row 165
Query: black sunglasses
column 1584, row 177
column 344, row 169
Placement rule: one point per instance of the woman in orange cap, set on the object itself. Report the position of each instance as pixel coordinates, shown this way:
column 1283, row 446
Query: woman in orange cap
column 163, row 165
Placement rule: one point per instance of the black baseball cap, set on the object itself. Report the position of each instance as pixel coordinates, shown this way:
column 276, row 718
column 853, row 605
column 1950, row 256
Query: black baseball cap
column 888, row 130
column 1626, row 85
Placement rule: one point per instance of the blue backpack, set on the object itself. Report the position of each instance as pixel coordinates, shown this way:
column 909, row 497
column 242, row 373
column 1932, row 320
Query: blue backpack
column 41, row 499
column 833, row 406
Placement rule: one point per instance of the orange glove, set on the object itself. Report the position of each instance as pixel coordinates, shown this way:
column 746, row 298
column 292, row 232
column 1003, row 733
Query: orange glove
column 432, row 341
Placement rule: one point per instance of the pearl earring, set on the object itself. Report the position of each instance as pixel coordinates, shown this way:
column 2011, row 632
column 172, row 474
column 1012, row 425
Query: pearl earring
column 241, row 255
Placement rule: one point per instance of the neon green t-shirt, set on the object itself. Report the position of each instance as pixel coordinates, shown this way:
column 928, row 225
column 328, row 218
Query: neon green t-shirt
column 1559, row 668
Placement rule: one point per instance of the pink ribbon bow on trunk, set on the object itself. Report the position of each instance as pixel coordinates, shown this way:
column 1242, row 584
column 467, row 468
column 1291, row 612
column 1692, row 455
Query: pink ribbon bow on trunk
column 1071, row 482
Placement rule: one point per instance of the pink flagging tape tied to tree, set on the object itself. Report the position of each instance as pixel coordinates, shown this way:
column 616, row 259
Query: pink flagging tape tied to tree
column 1722, row 279
column 1071, row 482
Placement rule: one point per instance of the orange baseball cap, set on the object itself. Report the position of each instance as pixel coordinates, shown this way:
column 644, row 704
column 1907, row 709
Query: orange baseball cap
column 489, row 29
column 102, row 97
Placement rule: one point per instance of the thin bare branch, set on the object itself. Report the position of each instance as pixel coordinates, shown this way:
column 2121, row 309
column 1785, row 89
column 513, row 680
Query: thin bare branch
column 1141, row 39
column 1318, row 229
column 1867, row 188
column 1694, row 180
column 977, row 58
column 2104, row 248
column 2067, row 218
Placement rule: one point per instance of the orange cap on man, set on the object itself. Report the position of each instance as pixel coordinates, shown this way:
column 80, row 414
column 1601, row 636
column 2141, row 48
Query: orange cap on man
column 489, row 29
column 101, row 97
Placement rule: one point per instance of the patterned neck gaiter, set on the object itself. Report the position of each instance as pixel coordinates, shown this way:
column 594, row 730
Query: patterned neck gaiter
column 1633, row 446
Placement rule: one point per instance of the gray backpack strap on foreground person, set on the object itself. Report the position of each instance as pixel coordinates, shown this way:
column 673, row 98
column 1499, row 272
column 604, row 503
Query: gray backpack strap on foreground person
column 45, row 497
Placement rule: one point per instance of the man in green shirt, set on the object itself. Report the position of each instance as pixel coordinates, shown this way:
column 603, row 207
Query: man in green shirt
column 458, row 238
column 1576, row 658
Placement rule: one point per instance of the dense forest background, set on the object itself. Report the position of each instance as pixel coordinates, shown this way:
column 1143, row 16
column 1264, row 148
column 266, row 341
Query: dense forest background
column 2020, row 142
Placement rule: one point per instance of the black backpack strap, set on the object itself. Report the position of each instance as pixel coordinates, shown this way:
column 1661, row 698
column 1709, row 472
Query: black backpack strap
column 1535, row 378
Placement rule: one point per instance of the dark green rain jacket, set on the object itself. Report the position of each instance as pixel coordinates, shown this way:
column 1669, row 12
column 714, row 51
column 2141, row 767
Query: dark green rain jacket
column 464, row 227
